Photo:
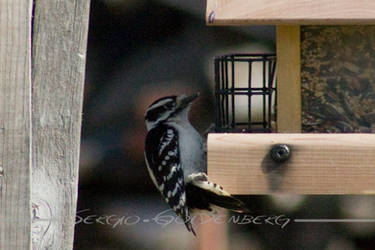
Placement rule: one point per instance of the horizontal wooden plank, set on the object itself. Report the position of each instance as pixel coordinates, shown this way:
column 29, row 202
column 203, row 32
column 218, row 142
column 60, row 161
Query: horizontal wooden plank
column 319, row 163
column 244, row 12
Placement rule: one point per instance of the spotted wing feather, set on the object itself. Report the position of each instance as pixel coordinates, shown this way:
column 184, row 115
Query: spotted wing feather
column 163, row 163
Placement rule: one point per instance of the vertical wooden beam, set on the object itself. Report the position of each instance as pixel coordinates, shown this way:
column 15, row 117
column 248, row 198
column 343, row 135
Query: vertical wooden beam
column 288, row 79
column 59, row 54
column 15, row 123
column 213, row 232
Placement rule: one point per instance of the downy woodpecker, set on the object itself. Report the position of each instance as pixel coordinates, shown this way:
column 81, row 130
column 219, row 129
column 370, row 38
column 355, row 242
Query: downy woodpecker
column 176, row 161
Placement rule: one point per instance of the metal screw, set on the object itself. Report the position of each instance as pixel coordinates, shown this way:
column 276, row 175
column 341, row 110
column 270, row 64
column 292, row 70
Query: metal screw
column 280, row 153
column 211, row 17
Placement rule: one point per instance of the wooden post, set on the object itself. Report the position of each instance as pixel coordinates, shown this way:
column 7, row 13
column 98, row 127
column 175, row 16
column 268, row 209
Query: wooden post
column 40, row 120
column 15, row 123
column 59, row 53
column 212, row 234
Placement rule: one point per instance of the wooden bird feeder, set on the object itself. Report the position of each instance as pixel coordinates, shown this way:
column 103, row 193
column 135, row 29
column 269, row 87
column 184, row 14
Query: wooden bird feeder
column 325, row 75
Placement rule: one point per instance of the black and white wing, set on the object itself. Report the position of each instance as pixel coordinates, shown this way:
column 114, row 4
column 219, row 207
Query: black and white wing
column 163, row 163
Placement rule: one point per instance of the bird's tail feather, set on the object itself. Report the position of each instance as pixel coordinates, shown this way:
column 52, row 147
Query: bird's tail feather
column 189, row 227
column 228, row 202
column 202, row 194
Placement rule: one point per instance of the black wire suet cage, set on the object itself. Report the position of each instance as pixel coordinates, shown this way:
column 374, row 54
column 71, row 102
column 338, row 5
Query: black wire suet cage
column 245, row 90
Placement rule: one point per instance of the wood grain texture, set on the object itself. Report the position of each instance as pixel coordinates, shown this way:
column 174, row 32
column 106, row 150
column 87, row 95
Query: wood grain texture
column 15, row 123
column 288, row 74
column 59, row 54
column 261, row 12
column 319, row 163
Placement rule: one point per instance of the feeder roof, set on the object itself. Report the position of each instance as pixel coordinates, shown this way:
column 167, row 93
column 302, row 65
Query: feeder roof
column 274, row 12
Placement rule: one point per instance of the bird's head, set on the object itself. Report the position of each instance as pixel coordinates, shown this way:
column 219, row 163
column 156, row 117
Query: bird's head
column 169, row 108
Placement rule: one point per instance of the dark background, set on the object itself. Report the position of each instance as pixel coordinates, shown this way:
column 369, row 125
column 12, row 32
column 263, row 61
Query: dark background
column 139, row 51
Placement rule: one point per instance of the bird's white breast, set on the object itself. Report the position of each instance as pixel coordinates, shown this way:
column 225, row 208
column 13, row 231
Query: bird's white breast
column 191, row 152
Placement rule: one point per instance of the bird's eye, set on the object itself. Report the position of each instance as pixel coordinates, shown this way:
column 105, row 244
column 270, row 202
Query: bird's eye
column 169, row 105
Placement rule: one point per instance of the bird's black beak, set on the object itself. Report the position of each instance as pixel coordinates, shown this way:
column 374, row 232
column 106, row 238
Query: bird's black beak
column 186, row 100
